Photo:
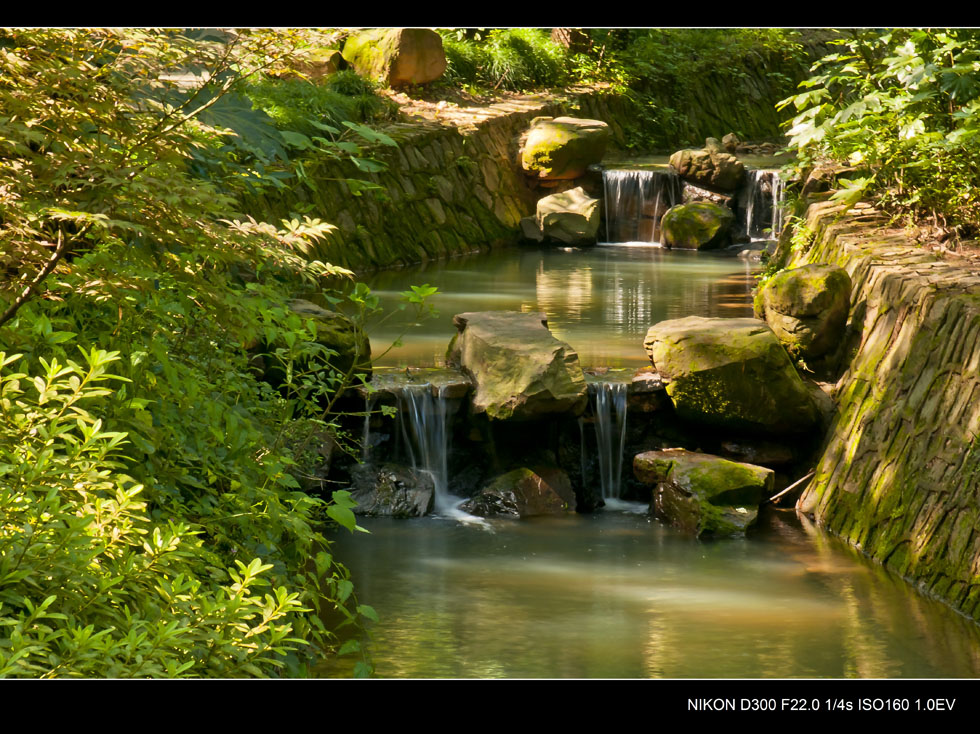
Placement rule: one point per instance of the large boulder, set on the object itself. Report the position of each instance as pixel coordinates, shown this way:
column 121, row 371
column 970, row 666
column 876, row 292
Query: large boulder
column 703, row 494
column 701, row 225
column 732, row 374
column 571, row 217
column 396, row 56
column 711, row 166
column 524, row 493
column 807, row 307
column 563, row 147
column 520, row 370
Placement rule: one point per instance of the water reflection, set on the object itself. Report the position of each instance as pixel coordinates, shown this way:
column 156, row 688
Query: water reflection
column 600, row 300
column 616, row 595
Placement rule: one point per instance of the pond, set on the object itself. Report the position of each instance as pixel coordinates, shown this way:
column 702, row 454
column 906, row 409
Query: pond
column 618, row 595
column 601, row 300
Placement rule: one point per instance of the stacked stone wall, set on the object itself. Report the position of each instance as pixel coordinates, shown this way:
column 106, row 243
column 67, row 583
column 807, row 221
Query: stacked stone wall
column 899, row 476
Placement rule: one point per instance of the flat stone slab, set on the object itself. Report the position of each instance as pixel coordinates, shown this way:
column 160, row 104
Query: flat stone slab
column 520, row 370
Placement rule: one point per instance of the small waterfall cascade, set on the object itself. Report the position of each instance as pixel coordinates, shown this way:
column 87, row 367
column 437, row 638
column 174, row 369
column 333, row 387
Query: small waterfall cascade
column 424, row 415
column 609, row 406
column 369, row 402
column 635, row 202
column 764, row 204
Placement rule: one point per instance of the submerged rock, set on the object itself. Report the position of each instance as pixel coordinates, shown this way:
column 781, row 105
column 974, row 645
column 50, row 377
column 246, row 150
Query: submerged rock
column 700, row 225
column 732, row 374
column 703, row 494
column 571, row 217
column 563, row 147
column 521, row 372
column 524, row 493
column 396, row 56
column 390, row 490
column 807, row 308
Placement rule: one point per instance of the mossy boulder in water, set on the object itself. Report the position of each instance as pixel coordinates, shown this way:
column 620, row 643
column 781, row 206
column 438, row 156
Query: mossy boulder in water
column 701, row 225
column 732, row 374
column 524, row 492
column 807, row 307
column 711, row 166
column 396, row 56
column 563, row 147
column 521, row 372
column 571, row 217
column 703, row 494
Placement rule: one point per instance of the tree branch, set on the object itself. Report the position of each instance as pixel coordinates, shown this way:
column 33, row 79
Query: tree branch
column 29, row 290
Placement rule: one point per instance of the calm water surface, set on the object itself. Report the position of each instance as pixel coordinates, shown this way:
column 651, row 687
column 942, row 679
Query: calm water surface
column 616, row 594
column 619, row 595
column 600, row 300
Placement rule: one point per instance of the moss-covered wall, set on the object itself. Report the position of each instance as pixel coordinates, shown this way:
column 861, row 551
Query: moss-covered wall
column 900, row 473
column 446, row 191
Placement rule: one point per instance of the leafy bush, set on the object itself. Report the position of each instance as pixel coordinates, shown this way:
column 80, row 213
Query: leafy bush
column 138, row 524
column 514, row 59
column 904, row 107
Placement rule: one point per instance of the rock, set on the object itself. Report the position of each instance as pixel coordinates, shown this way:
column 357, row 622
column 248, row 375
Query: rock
column 521, row 371
column 807, row 308
column 703, row 494
column 524, row 493
column 390, row 490
column 715, row 167
column 759, row 452
column 396, row 56
column 731, row 143
column 339, row 334
column 701, row 225
column 563, row 147
column 732, row 374
column 316, row 63
column 647, row 392
column 531, row 230
column 571, row 217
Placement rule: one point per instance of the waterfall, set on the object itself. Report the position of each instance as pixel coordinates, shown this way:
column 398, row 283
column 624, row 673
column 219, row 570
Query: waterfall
column 424, row 426
column 764, row 204
column 635, row 202
column 369, row 401
column 610, row 429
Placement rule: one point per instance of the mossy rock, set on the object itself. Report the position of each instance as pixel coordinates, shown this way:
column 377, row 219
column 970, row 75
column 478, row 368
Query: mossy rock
column 571, row 217
column 703, row 494
column 563, row 147
column 731, row 374
column 396, row 56
column 807, row 308
column 701, row 225
column 521, row 371
column 340, row 335
column 524, row 492
column 712, row 166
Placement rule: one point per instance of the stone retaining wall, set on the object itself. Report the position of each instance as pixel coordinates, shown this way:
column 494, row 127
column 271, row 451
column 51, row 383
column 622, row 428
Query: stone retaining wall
column 447, row 190
column 900, row 472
